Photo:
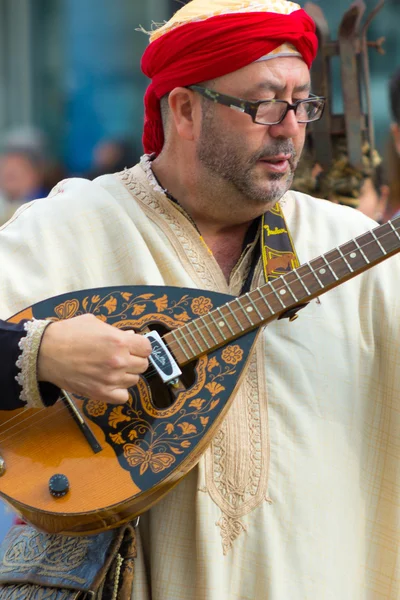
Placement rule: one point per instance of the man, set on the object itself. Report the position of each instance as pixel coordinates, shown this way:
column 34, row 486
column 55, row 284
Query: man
column 298, row 495
column 21, row 179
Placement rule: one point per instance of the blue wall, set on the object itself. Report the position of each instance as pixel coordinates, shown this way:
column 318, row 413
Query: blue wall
column 103, row 84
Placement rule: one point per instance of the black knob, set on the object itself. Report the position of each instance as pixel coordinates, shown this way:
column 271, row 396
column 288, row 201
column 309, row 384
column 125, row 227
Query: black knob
column 58, row 485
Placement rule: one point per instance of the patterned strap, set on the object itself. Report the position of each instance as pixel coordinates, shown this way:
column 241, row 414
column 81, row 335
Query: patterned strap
column 278, row 251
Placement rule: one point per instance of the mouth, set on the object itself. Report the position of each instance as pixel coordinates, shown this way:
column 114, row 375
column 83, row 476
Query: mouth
column 277, row 164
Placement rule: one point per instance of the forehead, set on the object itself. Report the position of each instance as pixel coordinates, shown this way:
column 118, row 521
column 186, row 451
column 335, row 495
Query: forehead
column 283, row 74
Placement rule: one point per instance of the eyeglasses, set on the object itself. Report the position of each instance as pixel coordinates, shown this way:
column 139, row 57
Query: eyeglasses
column 268, row 112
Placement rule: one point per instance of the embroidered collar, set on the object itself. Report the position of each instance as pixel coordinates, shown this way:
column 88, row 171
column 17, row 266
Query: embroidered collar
column 145, row 162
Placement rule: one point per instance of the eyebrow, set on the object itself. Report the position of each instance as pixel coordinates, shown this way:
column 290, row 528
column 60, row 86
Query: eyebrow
column 269, row 86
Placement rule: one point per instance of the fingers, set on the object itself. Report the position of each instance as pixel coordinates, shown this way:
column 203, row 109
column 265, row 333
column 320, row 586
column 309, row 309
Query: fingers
column 138, row 344
column 113, row 385
column 118, row 396
column 137, row 365
column 92, row 358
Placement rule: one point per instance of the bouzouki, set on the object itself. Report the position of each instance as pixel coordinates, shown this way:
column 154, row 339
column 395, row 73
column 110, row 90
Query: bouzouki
column 83, row 466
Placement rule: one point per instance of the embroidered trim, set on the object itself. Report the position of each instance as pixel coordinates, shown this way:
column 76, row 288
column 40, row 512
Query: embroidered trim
column 238, row 482
column 27, row 362
column 145, row 162
column 158, row 209
column 230, row 531
column 117, row 576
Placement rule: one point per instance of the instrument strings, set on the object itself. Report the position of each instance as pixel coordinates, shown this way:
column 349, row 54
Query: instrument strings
column 202, row 328
column 22, row 421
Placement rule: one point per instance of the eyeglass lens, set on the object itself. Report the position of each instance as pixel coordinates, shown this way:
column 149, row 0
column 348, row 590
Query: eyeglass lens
column 270, row 113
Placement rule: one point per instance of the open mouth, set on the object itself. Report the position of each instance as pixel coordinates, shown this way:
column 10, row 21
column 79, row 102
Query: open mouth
column 278, row 164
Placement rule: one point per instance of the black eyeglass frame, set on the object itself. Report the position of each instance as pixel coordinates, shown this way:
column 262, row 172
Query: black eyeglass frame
column 251, row 108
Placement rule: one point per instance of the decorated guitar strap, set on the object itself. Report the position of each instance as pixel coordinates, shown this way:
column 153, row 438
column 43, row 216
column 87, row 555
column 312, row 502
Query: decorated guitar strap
column 278, row 251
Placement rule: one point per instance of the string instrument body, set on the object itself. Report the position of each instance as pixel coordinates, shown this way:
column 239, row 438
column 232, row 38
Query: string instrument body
column 142, row 450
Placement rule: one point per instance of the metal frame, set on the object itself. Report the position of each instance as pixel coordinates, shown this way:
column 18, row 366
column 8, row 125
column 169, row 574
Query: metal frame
column 356, row 124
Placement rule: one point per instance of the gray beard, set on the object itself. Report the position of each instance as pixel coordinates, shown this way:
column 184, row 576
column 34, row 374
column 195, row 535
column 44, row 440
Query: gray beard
column 223, row 158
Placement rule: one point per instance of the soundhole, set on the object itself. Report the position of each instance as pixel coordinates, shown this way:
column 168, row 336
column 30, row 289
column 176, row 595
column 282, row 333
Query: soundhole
column 164, row 396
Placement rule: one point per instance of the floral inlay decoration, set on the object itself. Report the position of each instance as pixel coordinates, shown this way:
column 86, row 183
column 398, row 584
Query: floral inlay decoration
column 96, row 408
column 232, row 355
column 201, row 306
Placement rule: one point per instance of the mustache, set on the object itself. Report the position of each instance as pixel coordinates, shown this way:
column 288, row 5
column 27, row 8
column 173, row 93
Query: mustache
column 280, row 147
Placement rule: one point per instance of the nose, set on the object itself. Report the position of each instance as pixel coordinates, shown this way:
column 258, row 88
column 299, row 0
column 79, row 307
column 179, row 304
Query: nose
column 288, row 128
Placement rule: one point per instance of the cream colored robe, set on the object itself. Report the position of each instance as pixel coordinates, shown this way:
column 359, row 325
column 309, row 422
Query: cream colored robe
column 298, row 497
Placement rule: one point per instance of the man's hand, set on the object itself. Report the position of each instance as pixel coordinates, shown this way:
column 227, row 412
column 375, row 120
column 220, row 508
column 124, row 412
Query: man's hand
column 85, row 356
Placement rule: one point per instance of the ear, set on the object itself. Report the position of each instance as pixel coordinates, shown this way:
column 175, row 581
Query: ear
column 185, row 112
column 396, row 136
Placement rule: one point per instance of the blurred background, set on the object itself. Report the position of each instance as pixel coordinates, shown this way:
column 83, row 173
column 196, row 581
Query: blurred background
column 71, row 89
column 72, row 70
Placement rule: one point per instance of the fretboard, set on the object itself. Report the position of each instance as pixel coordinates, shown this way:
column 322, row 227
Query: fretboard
column 284, row 294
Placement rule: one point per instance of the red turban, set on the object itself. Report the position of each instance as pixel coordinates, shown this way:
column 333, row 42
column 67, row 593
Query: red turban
column 202, row 50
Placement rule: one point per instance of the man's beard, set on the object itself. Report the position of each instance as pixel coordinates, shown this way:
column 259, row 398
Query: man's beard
column 223, row 156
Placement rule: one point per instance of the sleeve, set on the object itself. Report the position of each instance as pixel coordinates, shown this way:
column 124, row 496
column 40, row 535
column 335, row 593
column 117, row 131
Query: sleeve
column 19, row 350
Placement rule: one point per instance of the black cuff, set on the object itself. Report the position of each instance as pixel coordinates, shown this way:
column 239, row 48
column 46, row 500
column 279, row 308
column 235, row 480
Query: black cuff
column 10, row 389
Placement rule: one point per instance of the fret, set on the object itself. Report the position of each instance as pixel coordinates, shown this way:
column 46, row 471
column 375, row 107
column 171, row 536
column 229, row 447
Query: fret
column 330, row 268
column 228, row 306
column 290, row 289
column 254, row 305
column 315, row 275
column 389, row 241
column 180, row 345
column 345, row 260
column 194, row 338
column 394, row 229
column 378, row 242
column 244, row 311
column 187, row 342
column 225, row 321
column 217, row 324
column 267, row 304
column 198, row 329
column 361, row 251
column 212, row 336
column 302, row 282
column 278, row 295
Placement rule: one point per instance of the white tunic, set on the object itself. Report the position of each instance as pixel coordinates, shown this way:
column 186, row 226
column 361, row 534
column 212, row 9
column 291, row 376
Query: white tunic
column 298, row 497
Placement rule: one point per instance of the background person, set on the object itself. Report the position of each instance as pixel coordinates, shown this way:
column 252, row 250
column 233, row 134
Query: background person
column 111, row 156
column 394, row 146
column 22, row 177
